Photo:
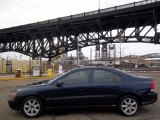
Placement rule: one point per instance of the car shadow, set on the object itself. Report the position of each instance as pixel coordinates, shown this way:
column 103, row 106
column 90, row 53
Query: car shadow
column 90, row 111
column 85, row 111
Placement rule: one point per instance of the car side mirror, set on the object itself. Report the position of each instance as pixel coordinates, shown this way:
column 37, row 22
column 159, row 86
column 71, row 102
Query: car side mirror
column 59, row 84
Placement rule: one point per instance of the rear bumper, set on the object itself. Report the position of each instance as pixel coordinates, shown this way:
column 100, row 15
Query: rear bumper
column 151, row 98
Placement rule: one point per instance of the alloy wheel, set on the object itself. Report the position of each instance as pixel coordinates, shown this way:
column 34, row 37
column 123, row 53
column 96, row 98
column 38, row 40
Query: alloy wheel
column 31, row 107
column 129, row 106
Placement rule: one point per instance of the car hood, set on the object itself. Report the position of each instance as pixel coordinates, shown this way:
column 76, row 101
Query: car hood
column 32, row 85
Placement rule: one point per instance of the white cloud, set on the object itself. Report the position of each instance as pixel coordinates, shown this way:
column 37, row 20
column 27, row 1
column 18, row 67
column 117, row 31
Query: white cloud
column 17, row 12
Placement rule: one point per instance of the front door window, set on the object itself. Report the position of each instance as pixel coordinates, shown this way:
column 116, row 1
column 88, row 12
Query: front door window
column 78, row 77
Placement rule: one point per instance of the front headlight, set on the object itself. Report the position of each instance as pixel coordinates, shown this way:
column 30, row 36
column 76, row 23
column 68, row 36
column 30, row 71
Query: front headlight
column 12, row 96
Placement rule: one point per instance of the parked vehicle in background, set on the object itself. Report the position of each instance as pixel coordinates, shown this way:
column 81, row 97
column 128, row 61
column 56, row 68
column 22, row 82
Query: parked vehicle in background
column 85, row 87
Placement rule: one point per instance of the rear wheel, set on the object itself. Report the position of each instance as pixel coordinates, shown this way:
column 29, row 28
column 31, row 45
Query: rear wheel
column 32, row 107
column 128, row 105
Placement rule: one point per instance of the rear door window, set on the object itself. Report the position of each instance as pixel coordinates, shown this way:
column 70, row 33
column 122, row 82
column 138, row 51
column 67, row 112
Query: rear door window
column 103, row 76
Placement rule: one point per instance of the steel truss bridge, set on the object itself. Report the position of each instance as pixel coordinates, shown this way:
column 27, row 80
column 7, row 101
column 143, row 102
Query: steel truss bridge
column 134, row 22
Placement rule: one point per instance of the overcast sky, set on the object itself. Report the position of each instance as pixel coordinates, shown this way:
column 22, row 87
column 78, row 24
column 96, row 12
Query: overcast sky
column 18, row 12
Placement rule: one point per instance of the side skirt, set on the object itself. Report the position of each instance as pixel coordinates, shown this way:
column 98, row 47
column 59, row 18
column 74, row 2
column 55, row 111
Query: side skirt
column 76, row 107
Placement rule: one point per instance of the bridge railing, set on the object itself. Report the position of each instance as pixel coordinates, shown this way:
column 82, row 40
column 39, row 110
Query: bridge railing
column 134, row 4
column 77, row 15
column 91, row 13
column 107, row 10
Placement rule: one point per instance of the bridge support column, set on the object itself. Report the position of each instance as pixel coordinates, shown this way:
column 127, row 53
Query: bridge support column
column 32, row 36
column 137, row 30
column 49, row 39
column 49, row 59
column 156, row 39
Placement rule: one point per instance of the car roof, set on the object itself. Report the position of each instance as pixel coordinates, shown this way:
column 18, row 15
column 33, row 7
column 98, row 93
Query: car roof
column 105, row 67
column 90, row 67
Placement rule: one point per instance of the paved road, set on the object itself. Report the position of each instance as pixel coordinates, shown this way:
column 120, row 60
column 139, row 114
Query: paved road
column 151, row 112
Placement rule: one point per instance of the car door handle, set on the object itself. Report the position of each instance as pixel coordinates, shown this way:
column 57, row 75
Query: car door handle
column 116, row 86
column 84, row 88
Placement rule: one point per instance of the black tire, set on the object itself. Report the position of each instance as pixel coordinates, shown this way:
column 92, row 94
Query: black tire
column 127, row 109
column 34, row 110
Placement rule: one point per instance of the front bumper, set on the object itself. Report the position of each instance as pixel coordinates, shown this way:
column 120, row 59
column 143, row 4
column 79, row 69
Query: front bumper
column 13, row 105
column 150, row 99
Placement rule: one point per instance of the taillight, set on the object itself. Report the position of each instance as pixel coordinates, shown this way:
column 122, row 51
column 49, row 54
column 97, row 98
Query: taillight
column 152, row 85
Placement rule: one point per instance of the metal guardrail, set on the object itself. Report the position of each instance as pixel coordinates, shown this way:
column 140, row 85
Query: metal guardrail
column 134, row 4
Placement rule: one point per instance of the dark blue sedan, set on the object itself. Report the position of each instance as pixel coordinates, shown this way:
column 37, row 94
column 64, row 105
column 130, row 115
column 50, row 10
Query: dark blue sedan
column 85, row 87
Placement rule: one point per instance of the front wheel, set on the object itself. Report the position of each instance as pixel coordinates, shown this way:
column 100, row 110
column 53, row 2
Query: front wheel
column 128, row 105
column 32, row 107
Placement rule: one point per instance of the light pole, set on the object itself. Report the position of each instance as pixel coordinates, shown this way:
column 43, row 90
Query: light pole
column 30, row 66
column 20, row 56
column 40, row 66
column 77, row 52
column 2, row 66
column 99, row 4
column 120, row 53
column 30, row 54
column 114, row 55
column 90, row 56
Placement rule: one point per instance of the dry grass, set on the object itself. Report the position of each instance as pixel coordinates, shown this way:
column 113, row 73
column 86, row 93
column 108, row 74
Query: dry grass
column 26, row 78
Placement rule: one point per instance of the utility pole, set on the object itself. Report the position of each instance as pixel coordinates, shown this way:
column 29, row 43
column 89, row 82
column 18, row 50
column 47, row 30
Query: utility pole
column 90, row 56
column 30, row 54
